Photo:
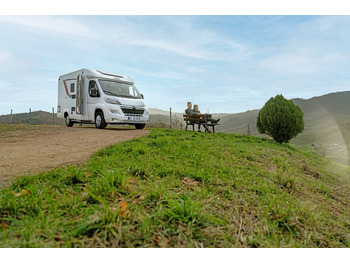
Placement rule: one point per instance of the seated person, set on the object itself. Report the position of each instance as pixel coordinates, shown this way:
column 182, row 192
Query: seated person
column 195, row 110
column 189, row 110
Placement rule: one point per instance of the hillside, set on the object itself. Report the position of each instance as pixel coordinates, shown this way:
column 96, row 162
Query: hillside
column 35, row 118
column 327, row 125
column 183, row 189
column 334, row 106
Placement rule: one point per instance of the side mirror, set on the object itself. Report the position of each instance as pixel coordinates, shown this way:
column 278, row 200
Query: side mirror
column 142, row 96
column 94, row 93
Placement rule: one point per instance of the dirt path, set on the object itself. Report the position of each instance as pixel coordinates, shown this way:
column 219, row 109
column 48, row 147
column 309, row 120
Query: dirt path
column 37, row 148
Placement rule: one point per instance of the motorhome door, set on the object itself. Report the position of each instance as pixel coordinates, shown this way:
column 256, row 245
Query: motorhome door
column 79, row 94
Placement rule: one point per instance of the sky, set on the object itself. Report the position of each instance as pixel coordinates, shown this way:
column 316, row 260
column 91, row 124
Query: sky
column 223, row 63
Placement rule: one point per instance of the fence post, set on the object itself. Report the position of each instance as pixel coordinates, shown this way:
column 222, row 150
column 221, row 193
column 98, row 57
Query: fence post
column 11, row 118
column 30, row 116
column 248, row 131
column 171, row 120
column 53, row 116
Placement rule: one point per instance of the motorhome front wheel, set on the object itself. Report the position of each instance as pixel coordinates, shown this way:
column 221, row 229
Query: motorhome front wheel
column 140, row 126
column 100, row 120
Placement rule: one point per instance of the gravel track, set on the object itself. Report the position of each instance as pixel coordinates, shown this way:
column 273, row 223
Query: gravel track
column 34, row 149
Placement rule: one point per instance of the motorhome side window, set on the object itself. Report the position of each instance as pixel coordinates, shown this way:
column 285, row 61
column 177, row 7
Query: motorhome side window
column 72, row 88
column 93, row 89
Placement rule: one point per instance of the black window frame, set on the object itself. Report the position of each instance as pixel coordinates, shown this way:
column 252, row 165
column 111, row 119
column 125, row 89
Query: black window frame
column 90, row 87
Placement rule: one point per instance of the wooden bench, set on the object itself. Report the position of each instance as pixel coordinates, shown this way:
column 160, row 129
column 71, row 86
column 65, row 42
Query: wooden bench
column 200, row 119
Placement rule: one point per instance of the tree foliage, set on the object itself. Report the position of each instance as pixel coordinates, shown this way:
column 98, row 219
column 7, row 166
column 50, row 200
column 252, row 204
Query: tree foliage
column 281, row 119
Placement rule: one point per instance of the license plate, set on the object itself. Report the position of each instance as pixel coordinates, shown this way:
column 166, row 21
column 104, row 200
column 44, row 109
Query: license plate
column 134, row 118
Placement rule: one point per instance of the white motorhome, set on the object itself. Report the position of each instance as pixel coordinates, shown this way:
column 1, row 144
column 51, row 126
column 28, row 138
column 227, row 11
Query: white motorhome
column 92, row 96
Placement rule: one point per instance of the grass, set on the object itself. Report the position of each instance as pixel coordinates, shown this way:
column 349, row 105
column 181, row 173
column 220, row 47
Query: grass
column 9, row 128
column 183, row 189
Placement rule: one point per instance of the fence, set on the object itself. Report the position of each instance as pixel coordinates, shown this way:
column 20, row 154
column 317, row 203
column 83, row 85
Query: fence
column 173, row 121
column 30, row 117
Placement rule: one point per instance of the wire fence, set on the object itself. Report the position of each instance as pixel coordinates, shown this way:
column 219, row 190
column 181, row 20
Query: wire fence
column 30, row 117
column 172, row 121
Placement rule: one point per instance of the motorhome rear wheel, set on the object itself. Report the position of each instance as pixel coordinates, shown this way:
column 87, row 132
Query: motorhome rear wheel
column 69, row 122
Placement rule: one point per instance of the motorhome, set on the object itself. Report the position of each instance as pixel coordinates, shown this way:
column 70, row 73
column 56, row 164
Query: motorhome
column 93, row 96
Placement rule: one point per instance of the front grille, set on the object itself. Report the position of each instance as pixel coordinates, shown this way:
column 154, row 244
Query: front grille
column 133, row 111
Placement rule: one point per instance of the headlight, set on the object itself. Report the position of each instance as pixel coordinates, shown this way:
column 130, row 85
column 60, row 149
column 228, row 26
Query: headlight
column 143, row 104
column 112, row 101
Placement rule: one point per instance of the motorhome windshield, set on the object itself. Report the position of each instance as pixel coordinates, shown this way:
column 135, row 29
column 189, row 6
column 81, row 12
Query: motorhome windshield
column 119, row 89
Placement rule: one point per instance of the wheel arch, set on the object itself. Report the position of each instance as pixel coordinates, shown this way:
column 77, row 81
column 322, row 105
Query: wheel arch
column 98, row 109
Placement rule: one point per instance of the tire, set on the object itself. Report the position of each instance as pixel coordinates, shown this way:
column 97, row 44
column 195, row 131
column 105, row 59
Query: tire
column 140, row 126
column 100, row 122
column 69, row 122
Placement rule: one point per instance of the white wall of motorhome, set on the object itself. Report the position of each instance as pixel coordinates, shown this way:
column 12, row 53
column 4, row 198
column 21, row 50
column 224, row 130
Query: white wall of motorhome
column 81, row 99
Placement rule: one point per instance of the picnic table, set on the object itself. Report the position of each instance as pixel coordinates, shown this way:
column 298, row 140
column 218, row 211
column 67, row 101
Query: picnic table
column 204, row 120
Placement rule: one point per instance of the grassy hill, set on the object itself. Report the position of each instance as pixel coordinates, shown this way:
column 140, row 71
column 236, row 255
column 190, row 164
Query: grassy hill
column 327, row 124
column 183, row 189
column 35, row 118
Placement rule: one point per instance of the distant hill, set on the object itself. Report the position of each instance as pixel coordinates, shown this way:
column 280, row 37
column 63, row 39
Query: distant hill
column 35, row 118
column 327, row 125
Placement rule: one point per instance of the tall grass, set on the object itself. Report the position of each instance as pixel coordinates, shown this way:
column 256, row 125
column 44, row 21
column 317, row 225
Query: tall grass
column 183, row 189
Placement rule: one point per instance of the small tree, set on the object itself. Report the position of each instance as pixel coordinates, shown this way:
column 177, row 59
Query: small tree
column 281, row 119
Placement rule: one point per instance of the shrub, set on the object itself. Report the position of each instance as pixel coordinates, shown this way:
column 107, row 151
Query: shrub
column 280, row 119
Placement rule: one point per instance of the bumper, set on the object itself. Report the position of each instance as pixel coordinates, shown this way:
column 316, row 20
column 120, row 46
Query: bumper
column 114, row 115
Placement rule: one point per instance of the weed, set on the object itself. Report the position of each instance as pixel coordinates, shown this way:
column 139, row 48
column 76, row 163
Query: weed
column 183, row 210
column 139, row 172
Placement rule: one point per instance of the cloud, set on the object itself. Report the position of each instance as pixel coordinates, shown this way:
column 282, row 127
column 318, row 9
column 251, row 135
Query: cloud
column 56, row 24
column 11, row 65
column 177, row 35
column 326, row 27
column 236, row 62
column 300, row 63
column 157, row 74
column 182, row 36
column 313, row 47
column 4, row 57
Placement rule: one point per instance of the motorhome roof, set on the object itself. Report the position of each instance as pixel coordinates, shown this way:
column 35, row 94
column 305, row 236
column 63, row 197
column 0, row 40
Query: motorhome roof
column 90, row 73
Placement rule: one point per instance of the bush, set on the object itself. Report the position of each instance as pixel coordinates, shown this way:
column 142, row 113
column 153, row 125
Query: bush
column 280, row 119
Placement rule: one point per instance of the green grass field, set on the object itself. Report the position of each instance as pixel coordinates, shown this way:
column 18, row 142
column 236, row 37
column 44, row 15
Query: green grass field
column 183, row 189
